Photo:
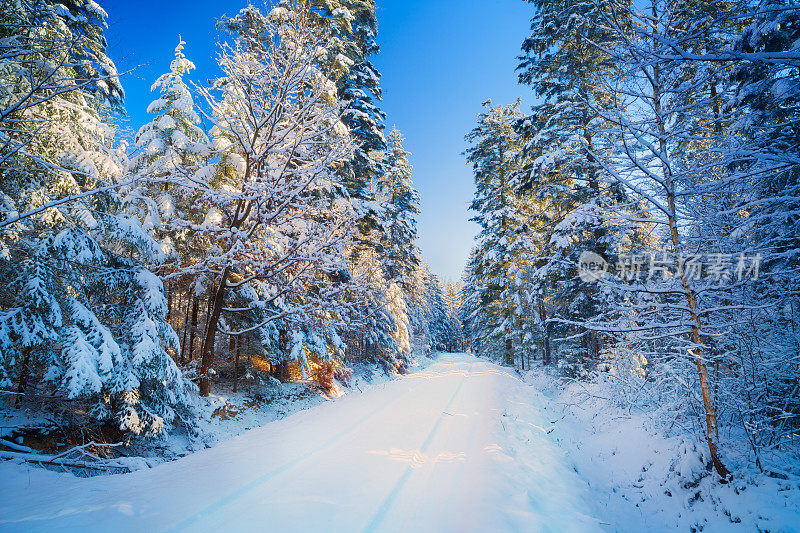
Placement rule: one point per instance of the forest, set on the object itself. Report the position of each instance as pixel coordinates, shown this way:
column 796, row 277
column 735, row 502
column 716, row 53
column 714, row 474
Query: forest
column 661, row 164
column 261, row 226
column 231, row 298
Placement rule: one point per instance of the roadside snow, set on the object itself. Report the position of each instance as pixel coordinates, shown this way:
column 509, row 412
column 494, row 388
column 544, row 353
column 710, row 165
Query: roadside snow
column 222, row 416
column 643, row 481
column 462, row 445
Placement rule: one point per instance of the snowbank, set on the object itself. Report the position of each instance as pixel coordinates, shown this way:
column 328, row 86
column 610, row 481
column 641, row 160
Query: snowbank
column 643, row 480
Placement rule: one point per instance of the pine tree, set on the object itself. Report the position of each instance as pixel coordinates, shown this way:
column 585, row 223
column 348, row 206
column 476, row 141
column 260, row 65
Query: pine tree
column 766, row 94
column 400, row 207
column 579, row 207
column 169, row 163
column 87, row 319
column 434, row 326
column 502, row 250
column 380, row 319
column 354, row 29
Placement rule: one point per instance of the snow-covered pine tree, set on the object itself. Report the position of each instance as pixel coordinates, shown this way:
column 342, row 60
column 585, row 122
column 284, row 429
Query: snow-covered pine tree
column 579, row 207
column 434, row 326
column 399, row 209
column 453, row 299
column 171, row 166
column 170, row 150
column 85, row 319
column 471, row 312
column 378, row 326
column 766, row 96
column 767, row 93
column 354, row 28
column 502, row 256
column 444, row 330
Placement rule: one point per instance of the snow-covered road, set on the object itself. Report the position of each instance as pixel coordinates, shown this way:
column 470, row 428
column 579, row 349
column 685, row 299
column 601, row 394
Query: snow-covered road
column 458, row 446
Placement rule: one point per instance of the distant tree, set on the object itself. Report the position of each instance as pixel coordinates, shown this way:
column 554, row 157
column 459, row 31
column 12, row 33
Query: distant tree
column 400, row 208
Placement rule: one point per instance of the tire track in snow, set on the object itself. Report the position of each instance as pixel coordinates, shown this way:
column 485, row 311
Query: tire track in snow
column 474, row 428
column 386, row 506
column 193, row 520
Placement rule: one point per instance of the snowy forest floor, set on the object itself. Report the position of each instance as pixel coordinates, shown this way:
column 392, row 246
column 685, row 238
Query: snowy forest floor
column 460, row 445
column 643, row 481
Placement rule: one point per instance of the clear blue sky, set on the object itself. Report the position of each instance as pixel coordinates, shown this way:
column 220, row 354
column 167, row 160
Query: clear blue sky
column 440, row 59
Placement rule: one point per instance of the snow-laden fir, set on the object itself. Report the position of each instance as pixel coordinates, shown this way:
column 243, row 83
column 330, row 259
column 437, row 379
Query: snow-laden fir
column 176, row 295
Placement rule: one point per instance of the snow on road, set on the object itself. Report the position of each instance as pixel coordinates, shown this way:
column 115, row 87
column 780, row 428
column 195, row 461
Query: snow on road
column 459, row 446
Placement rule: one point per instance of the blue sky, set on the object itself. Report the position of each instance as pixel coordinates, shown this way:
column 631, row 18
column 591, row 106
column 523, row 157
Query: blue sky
column 440, row 59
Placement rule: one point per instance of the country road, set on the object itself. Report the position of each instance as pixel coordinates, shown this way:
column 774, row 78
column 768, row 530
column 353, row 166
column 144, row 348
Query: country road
column 458, row 446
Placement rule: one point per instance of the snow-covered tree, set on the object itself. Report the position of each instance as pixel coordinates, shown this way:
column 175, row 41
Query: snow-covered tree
column 578, row 207
column 354, row 27
column 658, row 99
column 377, row 326
column 400, row 206
column 276, row 209
column 169, row 152
column 434, row 326
column 86, row 317
column 502, row 255
column 170, row 166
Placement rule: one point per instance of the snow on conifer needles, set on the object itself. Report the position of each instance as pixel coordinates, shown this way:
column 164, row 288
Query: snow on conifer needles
column 663, row 147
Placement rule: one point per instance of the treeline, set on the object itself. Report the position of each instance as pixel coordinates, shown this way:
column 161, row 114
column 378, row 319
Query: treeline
column 260, row 225
column 644, row 218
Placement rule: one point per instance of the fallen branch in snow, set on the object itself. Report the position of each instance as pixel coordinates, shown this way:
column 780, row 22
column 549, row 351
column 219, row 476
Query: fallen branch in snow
column 15, row 446
column 43, row 459
column 86, row 459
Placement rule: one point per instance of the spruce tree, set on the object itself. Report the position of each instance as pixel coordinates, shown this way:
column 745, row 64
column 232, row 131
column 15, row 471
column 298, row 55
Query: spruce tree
column 502, row 250
column 400, row 206
column 87, row 319
column 171, row 151
column 565, row 58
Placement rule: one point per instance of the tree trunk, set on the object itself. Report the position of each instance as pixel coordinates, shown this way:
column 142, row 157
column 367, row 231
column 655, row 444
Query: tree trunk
column 237, row 342
column 547, row 358
column 185, row 335
column 283, row 365
column 283, row 371
column 169, row 301
column 546, row 331
column 23, row 375
column 193, row 326
column 509, row 352
column 696, row 351
column 211, row 334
